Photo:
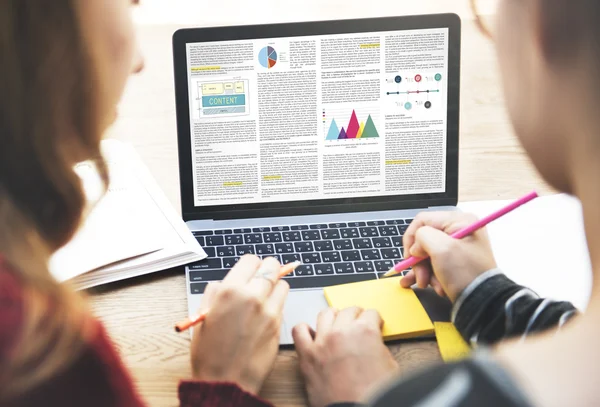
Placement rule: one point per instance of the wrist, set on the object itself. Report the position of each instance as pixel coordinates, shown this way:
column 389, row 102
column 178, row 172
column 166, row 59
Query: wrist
column 195, row 392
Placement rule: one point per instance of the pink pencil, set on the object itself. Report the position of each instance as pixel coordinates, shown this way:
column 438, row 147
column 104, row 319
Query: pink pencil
column 411, row 261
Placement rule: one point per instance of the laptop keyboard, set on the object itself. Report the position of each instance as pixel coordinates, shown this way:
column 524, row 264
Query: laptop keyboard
column 331, row 254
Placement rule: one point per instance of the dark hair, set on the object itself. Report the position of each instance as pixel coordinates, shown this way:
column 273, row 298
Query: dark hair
column 48, row 123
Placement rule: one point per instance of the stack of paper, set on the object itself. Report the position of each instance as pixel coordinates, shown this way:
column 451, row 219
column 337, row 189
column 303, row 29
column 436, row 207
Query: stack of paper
column 133, row 229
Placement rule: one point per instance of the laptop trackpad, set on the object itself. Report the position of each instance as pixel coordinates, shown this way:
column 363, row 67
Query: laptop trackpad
column 301, row 307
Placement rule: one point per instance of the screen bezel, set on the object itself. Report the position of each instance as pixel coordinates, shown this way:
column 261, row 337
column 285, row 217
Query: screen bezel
column 321, row 206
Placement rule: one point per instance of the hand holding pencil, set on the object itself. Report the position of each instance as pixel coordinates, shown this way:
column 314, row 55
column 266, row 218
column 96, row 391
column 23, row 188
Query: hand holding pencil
column 239, row 339
column 448, row 250
column 453, row 264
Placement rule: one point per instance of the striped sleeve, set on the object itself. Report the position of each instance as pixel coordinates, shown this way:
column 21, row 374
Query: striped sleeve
column 493, row 308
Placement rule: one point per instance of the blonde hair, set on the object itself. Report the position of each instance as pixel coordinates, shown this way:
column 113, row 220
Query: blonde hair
column 48, row 123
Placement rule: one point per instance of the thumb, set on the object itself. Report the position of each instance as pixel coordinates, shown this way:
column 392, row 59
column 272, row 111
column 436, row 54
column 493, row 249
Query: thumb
column 429, row 241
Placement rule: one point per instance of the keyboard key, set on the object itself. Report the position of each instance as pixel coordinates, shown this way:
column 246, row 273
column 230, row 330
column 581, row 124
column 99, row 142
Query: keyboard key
column 390, row 254
column 263, row 249
column 200, row 240
column 304, row 270
column 244, row 249
column 244, row 230
column 397, row 241
column 223, row 231
column 323, row 245
column 291, row 236
column 198, row 288
column 302, row 247
column 376, row 223
column 311, row 258
column 356, row 224
column 364, row 267
column 330, row 234
column 210, row 251
column 253, row 238
column 345, row 244
column 202, row 232
column 408, row 221
column 229, row 262
column 322, row 269
column 300, row 227
column 402, row 228
column 331, row 257
column 234, row 239
column 280, row 228
column 319, row 226
column 337, row 225
column 369, row 232
column 371, row 254
column 206, row 264
column 362, row 243
column 215, row 241
column 349, row 233
column 384, row 265
column 209, row 275
column 261, row 230
column 394, row 222
column 388, row 231
column 381, row 242
column 223, row 251
column 273, row 237
column 290, row 258
column 350, row 255
column 328, row 280
column 343, row 268
column 284, row 248
column 311, row 235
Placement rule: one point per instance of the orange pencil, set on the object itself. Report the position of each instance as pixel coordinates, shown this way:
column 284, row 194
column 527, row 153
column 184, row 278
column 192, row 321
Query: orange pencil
column 190, row 322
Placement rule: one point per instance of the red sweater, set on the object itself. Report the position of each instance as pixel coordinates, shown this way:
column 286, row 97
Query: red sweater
column 97, row 377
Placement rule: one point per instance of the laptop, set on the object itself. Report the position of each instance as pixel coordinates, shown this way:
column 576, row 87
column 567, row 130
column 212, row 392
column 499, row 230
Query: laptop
column 315, row 141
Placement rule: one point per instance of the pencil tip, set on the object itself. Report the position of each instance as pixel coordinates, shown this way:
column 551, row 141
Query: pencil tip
column 177, row 329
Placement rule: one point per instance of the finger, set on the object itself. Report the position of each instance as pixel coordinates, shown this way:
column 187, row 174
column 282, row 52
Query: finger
column 437, row 286
column 302, row 339
column 346, row 316
column 243, row 270
column 422, row 275
column 448, row 222
column 208, row 296
column 325, row 320
column 372, row 317
column 409, row 279
column 432, row 241
column 275, row 302
column 265, row 278
column 207, row 299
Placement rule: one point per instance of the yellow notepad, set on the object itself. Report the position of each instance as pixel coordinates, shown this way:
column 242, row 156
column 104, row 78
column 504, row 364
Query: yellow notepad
column 402, row 313
column 452, row 345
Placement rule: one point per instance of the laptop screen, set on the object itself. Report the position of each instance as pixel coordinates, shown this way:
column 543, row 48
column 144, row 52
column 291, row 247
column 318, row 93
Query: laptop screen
column 318, row 117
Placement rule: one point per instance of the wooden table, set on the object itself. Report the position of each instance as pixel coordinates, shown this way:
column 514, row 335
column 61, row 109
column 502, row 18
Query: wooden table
column 139, row 313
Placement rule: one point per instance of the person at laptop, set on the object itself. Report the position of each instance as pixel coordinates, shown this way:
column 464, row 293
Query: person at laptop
column 64, row 67
column 539, row 352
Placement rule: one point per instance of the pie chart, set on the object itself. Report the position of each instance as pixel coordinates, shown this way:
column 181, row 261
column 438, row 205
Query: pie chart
column 267, row 57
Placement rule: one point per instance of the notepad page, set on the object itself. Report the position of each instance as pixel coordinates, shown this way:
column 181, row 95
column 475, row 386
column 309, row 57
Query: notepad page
column 402, row 312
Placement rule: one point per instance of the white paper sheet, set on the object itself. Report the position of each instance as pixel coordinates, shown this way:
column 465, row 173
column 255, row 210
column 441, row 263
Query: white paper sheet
column 542, row 245
column 133, row 229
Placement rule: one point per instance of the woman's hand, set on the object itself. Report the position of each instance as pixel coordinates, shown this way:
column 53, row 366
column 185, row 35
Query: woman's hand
column 239, row 339
column 453, row 263
column 345, row 359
